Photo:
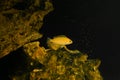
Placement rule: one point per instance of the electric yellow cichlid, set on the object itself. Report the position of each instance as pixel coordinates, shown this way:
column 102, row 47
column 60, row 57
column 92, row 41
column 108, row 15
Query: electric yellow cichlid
column 60, row 42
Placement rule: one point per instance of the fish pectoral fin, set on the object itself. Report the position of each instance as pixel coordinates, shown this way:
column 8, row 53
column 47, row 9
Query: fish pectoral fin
column 71, row 51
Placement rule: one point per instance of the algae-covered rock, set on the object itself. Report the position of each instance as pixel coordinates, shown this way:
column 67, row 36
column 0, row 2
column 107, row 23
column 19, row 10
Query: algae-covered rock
column 59, row 64
column 20, row 21
column 35, row 51
column 62, row 65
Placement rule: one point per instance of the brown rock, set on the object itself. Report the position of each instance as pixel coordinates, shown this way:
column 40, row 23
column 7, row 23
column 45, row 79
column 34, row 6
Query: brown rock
column 20, row 21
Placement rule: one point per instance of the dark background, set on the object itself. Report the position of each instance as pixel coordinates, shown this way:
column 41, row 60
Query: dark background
column 93, row 27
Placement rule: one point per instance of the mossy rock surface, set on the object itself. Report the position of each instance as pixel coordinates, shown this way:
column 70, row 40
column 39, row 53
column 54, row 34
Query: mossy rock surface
column 20, row 21
column 61, row 64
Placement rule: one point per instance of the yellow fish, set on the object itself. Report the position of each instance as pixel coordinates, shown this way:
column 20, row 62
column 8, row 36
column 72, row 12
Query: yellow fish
column 60, row 42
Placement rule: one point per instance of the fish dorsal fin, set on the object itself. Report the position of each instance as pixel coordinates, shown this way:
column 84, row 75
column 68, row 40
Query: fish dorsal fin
column 60, row 36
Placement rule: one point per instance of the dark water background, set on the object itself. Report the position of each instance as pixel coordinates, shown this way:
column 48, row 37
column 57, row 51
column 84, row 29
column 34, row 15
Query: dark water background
column 92, row 25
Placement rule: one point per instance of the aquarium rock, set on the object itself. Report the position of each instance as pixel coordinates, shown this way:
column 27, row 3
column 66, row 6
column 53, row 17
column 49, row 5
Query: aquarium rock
column 62, row 65
column 20, row 21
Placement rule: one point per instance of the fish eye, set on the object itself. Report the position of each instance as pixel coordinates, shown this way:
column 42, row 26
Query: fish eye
column 70, row 41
